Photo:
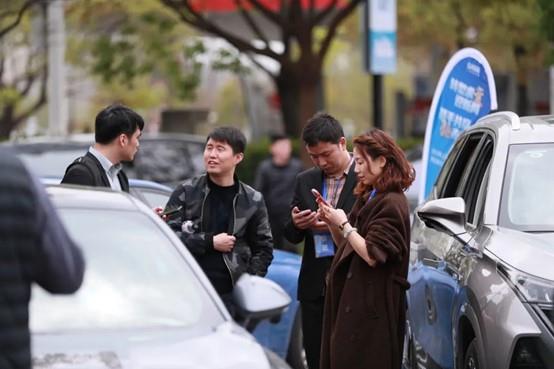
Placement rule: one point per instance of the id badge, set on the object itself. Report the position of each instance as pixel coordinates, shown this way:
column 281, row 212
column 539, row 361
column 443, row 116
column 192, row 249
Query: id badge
column 324, row 245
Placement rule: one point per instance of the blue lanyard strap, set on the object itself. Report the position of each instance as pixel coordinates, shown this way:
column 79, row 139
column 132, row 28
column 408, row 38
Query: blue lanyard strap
column 372, row 195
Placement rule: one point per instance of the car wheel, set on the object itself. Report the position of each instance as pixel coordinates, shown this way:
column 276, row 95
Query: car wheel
column 471, row 358
column 296, row 356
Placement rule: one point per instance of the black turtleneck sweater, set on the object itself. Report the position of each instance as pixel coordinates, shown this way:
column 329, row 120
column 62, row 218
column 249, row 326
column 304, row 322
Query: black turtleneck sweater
column 219, row 219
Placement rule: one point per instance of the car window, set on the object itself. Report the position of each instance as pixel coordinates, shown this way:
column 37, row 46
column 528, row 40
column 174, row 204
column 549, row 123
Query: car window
column 476, row 177
column 135, row 278
column 459, row 164
column 447, row 166
column 527, row 201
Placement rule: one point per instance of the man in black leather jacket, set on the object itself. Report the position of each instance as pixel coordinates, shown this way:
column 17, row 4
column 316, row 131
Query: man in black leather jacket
column 223, row 221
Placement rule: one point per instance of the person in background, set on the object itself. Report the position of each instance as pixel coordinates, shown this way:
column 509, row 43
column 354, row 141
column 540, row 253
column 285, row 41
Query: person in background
column 117, row 133
column 365, row 304
column 333, row 176
column 275, row 179
column 223, row 221
column 34, row 248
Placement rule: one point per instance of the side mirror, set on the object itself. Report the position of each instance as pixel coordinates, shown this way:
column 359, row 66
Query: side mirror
column 258, row 298
column 444, row 214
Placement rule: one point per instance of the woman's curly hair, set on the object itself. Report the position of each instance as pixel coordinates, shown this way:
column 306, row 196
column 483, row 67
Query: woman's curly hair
column 398, row 174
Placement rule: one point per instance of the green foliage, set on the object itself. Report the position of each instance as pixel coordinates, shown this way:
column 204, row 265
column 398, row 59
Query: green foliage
column 546, row 14
column 122, row 41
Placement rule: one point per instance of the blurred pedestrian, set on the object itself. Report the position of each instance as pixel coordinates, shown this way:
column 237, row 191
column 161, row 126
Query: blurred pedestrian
column 333, row 176
column 34, row 247
column 275, row 179
column 365, row 304
column 223, row 221
column 117, row 133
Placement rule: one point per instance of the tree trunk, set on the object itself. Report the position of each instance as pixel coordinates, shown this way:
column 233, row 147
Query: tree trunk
column 7, row 122
column 522, row 104
column 299, row 85
column 288, row 89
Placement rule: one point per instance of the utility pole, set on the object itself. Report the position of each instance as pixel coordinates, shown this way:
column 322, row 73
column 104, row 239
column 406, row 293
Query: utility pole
column 57, row 90
column 552, row 89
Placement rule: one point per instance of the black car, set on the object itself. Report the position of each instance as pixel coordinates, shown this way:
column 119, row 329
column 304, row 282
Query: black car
column 164, row 158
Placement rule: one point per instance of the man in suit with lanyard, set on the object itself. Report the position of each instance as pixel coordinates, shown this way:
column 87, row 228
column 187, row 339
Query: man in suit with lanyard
column 117, row 133
column 333, row 176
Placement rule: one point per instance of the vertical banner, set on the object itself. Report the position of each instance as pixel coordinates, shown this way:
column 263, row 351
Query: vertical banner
column 466, row 91
column 380, row 19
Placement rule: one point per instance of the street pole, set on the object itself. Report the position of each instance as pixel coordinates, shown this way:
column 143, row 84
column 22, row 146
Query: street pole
column 57, row 91
column 552, row 89
column 378, row 101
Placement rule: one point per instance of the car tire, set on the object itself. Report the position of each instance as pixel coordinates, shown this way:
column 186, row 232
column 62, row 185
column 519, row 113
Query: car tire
column 296, row 355
column 471, row 357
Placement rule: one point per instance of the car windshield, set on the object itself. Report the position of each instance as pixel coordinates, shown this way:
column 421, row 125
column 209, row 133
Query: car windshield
column 527, row 200
column 135, row 278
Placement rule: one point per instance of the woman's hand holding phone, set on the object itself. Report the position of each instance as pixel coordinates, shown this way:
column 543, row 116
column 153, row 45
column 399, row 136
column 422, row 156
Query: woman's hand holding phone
column 319, row 198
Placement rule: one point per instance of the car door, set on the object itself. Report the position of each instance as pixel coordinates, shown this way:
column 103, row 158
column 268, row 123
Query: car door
column 433, row 286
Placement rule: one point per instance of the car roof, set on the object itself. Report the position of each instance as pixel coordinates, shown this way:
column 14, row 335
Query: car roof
column 518, row 130
column 68, row 196
column 85, row 139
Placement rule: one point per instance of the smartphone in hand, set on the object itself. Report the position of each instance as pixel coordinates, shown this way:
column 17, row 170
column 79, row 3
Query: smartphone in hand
column 168, row 212
column 318, row 197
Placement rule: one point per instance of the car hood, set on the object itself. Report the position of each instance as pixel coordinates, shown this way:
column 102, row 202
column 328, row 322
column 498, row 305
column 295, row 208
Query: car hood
column 532, row 253
column 226, row 347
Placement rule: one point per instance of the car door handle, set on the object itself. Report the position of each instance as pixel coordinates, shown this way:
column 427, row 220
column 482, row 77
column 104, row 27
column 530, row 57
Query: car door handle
column 432, row 262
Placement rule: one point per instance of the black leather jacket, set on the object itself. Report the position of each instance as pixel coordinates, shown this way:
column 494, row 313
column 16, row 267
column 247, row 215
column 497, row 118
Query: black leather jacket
column 253, row 249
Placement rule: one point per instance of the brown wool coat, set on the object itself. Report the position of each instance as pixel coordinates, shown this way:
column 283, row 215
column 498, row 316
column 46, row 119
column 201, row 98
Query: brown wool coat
column 365, row 306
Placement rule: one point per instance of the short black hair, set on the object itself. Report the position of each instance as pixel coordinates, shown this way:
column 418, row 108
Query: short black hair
column 229, row 135
column 322, row 127
column 274, row 137
column 115, row 120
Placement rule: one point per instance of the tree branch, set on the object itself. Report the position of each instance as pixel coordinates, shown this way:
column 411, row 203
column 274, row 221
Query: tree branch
column 200, row 22
column 250, row 21
column 324, row 13
column 40, row 101
column 271, row 16
column 259, row 65
column 18, row 18
column 333, row 26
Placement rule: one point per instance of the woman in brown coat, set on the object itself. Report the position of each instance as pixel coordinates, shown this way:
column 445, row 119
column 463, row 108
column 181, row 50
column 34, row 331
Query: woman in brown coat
column 365, row 302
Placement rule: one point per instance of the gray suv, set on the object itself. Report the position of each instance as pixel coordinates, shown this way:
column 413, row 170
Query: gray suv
column 482, row 252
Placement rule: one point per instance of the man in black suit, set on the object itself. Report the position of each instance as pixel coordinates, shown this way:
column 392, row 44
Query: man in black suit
column 333, row 176
column 117, row 133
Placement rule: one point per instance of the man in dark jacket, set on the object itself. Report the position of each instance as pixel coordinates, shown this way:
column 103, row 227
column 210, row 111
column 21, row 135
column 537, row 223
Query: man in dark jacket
column 34, row 247
column 333, row 176
column 222, row 221
column 117, row 133
column 275, row 179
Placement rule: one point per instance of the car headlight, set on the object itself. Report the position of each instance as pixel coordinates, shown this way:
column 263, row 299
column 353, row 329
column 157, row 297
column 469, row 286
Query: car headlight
column 533, row 290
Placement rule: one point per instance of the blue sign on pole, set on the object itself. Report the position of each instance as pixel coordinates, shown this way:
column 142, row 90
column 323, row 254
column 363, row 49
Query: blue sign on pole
column 466, row 91
column 381, row 36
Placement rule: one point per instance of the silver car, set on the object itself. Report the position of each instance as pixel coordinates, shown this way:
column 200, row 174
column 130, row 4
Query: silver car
column 144, row 302
column 482, row 252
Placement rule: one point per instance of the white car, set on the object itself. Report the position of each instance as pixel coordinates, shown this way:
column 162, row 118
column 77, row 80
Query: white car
column 144, row 302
